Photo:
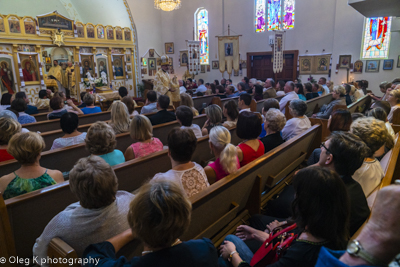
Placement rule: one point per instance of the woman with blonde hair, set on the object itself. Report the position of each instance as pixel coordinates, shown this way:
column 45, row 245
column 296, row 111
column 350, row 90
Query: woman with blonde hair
column 130, row 104
column 8, row 127
column 100, row 141
column 394, row 100
column 26, row 148
column 214, row 118
column 142, row 131
column 225, row 153
column 186, row 100
column 120, row 120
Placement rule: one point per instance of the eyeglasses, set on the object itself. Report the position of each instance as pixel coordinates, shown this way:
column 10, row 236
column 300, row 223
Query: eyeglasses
column 323, row 146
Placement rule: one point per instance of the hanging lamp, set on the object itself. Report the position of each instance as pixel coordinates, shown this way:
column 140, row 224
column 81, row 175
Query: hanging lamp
column 167, row 5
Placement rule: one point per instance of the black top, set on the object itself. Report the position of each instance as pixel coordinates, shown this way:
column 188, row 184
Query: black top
column 348, row 100
column 221, row 96
column 31, row 110
column 311, row 95
column 194, row 253
column 162, row 116
column 57, row 115
column 359, row 210
column 271, row 141
column 299, row 254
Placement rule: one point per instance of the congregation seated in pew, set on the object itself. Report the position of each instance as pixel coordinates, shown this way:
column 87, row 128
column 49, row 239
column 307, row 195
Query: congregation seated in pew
column 158, row 215
column 141, row 131
column 163, row 115
column 299, row 123
column 268, row 104
column 394, row 100
column 69, row 123
column 274, row 122
column 19, row 105
column 151, row 103
column 90, row 108
column 338, row 94
column 231, row 112
column 184, row 116
column 30, row 110
column 130, row 104
column 298, row 88
column 99, row 214
column 214, row 118
column 186, row 173
column 226, row 160
column 100, row 141
column 43, row 102
column 320, row 218
column 186, row 100
column 308, row 90
column 120, row 117
column 244, row 102
column 8, row 128
column 58, row 107
column 248, row 129
column 380, row 114
column 290, row 95
column 26, row 148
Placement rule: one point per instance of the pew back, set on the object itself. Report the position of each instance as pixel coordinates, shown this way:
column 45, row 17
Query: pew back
column 200, row 100
column 361, row 105
column 313, row 105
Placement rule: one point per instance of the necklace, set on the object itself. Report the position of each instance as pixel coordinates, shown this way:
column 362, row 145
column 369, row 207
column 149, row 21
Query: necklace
column 150, row 251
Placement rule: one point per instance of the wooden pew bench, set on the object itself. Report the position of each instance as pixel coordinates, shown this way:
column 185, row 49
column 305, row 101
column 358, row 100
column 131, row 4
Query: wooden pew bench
column 200, row 100
column 361, row 105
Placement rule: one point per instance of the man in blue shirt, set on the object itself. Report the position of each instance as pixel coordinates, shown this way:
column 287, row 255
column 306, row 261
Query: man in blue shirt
column 31, row 109
column 151, row 103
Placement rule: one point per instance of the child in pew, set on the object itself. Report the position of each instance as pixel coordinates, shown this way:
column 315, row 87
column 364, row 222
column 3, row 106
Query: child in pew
column 142, row 131
column 100, row 141
column 26, row 148
column 189, row 175
column 100, row 213
column 159, row 214
column 225, row 153
column 69, row 124
column 273, row 124
column 249, row 128
column 184, row 115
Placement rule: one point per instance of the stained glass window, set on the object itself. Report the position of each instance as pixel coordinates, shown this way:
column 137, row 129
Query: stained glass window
column 274, row 14
column 260, row 15
column 280, row 14
column 376, row 38
column 288, row 14
column 201, row 20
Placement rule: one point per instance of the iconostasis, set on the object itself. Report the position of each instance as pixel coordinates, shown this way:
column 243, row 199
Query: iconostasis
column 31, row 48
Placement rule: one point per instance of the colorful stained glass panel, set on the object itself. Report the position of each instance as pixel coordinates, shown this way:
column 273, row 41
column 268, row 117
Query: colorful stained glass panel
column 202, row 35
column 376, row 38
column 288, row 14
column 274, row 14
column 260, row 16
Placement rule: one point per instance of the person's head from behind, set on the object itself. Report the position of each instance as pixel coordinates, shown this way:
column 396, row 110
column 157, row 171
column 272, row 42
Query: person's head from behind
column 6, row 99
column 230, row 90
column 213, row 88
column 181, row 145
column 8, row 128
column 22, row 95
column 214, row 114
column 141, row 128
column 321, row 205
column 231, row 110
column 343, row 152
column 128, row 101
column 378, row 113
column 220, row 89
column 347, row 88
column 258, row 90
column 220, row 141
column 270, row 103
column 297, row 108
column 56, row 103
column 159, row 214
column 201, row 81
column 373, row 132
column 274, row 120
column 43, row 94
column 315, row 87
column 244, row 101
column 69, row 122
column 88, row 99
column 122, row 91
column 248, row 126
column 383, row 105
column 357, row 115
column 100, row 139
column 338, row 91
column 93, row 182
column 152, row 96
column 340, row 120
column 289, row 87
column 216, row 82
column 186, row 100
column 308, row 88
column 184, row 115
column 83, row 96
column 19, row 105
column 26, row 147
column 163, row 102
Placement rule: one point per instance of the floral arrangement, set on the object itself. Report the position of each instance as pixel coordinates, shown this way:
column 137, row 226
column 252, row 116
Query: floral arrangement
column 99, row 82
column 311, row 79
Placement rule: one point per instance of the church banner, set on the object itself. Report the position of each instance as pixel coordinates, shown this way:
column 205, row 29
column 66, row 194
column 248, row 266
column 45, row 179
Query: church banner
column 228, row 50
column 194, row 57
column 278, row 52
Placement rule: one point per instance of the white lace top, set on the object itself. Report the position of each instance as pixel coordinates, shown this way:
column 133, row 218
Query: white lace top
column 192, row 181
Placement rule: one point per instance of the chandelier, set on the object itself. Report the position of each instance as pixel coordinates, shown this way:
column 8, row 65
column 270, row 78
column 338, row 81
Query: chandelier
column 167, row 5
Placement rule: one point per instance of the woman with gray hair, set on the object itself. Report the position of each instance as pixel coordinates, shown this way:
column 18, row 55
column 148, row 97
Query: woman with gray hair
column 339, row 96
column 273, row 125
column 299, row 123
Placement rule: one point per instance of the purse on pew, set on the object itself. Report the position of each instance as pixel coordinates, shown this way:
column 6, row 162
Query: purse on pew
column 274, row 247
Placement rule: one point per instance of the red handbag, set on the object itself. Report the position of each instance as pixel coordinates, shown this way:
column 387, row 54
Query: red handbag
column 274, row 247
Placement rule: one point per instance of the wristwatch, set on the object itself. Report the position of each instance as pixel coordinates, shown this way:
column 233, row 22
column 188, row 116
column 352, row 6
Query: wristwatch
column 355, row 249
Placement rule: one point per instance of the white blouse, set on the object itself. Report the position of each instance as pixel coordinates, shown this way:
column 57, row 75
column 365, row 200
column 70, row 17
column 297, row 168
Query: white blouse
column 369, row 175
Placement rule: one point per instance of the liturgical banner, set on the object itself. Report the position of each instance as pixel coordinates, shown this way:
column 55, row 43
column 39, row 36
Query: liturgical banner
column 278, row 52
column 228, row 50
column 194, row 57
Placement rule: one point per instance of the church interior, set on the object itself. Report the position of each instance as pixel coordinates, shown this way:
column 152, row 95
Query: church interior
column 199, row 133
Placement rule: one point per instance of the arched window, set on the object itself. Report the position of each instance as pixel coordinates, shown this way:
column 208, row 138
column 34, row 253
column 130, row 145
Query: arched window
column 376, row 38
column 202, row 32
column 280, row 15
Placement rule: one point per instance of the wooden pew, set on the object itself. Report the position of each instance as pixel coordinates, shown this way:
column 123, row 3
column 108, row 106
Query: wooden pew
column 396, row 117
column 131, row 175
column 313, row 105
column 200, row 100
column 260, row 103
column 325, row 130
column 63, row 159
column 396, row 128
column 361, row 105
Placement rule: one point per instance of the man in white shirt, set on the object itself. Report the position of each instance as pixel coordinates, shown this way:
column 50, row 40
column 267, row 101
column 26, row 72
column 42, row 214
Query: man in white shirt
column 322, row 81
column 184, row 116
column 201, row 87
column 244, row 103
column 182, row 88
column 290, row 95
column 151, row 103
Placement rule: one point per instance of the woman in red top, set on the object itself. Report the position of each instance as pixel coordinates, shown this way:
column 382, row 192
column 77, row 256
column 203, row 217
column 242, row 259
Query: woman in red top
column 248, row 128
column 8, row 127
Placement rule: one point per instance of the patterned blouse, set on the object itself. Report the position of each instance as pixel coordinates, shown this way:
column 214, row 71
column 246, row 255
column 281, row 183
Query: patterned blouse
column 70, row 141
column 19, row 186
column 25, row 118
column 143, row 149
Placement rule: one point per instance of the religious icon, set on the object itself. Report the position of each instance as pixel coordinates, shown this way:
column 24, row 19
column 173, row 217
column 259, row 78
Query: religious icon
column 80, row 31
column 2, row 27
column 119, row 65
column 228, row 49
column 100, row 32
column 152, row 64
column 208, row 68
column 151, row 52
column 110, row 33
column 58, row 37
column 90, row 31
column 102, row 66
column 48, row 68
column 144, row 62
column 388, row 64
column 30, row 26
column 129, row 67
column 169, row 48
column 184, row 58
column 128, row 58
column 358, row 67
column 372, row 66
column 55, row 21
column 144, row 71
column 13, row 24
column 29, row 68
column 6, row 76
column 48, row 60
column 44, row 54
column 321, row 64
column 344, row 61
column 87, row 65
column 127, row 35
column 215, row 64
column 305, row 65
column 194, row 54
column 118, row 33
column 171, row 61
column 203, row 69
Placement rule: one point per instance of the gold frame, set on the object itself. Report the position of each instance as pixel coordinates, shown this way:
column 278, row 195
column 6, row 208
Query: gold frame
column 94, row 31
column 130, row 34
column 37, row 68
column 107, row 27
column 115, row 34
column 123, row 63
column 78, row 23
column 8, row 24
column 97, row 32
column 23, row 22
